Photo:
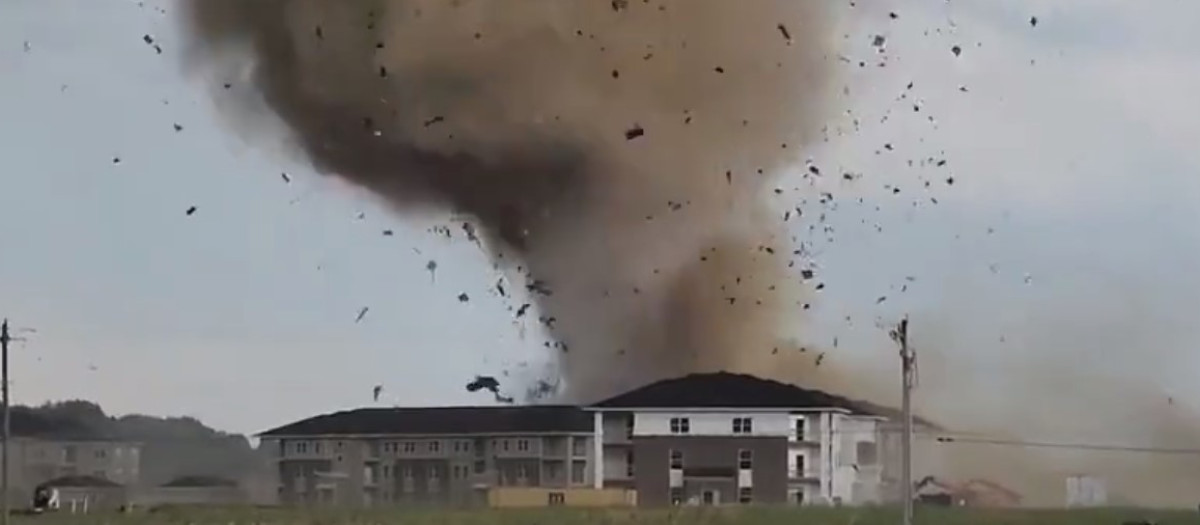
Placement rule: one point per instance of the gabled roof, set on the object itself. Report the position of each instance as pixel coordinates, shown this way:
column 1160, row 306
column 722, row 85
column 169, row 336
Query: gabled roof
column 441, row 421
column 199, row 482
column 80, row 482
column 728, row 390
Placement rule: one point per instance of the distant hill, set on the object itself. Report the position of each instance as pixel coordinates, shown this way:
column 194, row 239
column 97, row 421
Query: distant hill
column 173, row 446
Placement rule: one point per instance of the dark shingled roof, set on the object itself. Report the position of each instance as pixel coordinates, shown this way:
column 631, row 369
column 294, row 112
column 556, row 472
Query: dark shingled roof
column 80, row 482
column 728, row 390
column 441, row 420
column 199, row 482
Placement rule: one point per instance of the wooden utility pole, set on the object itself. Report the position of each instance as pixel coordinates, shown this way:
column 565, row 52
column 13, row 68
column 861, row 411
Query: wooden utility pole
column 907, row 367
column 4, row 340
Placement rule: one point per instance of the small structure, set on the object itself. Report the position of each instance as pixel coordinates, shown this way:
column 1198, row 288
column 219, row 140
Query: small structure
column 1086, row 491
column 81, row 494
column 978, row 493
column 196, row 490
column 514, row 497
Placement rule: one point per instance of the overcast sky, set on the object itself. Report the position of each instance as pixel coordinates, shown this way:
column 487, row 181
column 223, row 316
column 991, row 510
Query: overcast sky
column 1069, row 235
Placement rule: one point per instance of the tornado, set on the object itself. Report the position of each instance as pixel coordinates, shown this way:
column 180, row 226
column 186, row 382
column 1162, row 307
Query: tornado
column 618, row 153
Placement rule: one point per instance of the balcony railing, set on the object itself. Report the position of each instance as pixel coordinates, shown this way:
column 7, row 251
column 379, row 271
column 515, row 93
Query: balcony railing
column 803, row 475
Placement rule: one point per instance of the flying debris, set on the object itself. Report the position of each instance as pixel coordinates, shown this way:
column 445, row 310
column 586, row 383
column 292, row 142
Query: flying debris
column 376, row 391
column 490, row 384
column 361, row 314
column 191, row 211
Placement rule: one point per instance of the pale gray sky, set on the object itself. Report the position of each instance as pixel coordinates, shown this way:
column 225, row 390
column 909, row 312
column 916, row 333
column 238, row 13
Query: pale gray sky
column 1069, row 234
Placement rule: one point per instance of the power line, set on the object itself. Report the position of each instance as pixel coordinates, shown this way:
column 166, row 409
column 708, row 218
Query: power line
column 1066, row 445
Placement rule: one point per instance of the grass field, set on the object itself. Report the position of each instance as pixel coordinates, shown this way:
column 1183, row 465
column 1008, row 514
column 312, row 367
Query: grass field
column 753, row 516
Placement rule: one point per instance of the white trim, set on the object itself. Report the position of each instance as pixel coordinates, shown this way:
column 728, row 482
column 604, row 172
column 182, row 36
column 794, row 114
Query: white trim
column 464, row 435
column 785, row 410
column 597, row 450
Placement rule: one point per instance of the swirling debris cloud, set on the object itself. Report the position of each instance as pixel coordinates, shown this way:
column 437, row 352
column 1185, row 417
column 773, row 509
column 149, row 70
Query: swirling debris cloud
column 615, row 150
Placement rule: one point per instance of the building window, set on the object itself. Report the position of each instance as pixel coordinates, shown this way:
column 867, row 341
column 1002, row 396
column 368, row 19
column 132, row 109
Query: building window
column 522, row 475
column 742, row 425
column 680, row 425
column 410, row 447
column 387, row 471
column 101, row 453
column 800, row 428
column 798, row 497
column 556, row 499
column 435, row 446
column 629, row 427
column 318, row 447
column 579, row 446
column 799, row 466
column 577, row 471
column 480, row 466
column 677, row 496
column 434, row 474
column 745, row 495
column 629, row 463
column 504, row 445
column 676, row 461
column 745, row 459
column 867, row 453
column 339, row 446
column 523, row 445
column 407, row 480
column 301, row 447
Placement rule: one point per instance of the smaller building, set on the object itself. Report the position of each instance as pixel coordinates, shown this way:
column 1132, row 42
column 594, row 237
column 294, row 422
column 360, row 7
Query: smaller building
column 86, row 493
column 195, row 490
column 516, row 497
column 1086, row 491
column 976, row 493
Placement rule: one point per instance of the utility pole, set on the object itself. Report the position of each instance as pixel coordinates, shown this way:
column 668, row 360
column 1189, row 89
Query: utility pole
column 4, row 339
column 907, row 367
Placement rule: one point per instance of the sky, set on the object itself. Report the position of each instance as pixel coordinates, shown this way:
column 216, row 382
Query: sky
column 1067, row 237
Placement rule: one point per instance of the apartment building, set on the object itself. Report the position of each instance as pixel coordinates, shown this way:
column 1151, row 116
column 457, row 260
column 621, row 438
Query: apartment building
column 440, row 456
column 715, row 439
column 730, row 438
column 33, row 461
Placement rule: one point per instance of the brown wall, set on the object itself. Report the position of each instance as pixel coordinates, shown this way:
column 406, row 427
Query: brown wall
column 573, row 497
column 652, row 457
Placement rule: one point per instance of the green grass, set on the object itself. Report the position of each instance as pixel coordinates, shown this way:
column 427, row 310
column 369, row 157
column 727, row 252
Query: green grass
column 740, row 516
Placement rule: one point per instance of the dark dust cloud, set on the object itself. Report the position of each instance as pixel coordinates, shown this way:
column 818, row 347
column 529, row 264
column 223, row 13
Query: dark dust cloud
column 617, row 151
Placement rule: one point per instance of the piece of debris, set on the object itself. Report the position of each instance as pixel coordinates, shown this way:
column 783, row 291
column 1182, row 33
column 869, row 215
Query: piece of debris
column 539, row 286
column 191, row 211
column 286, row 178
column 376, row 391
column 488, row 383
column 634, row 132
column 787, row 35
column 463, row 297
column 362, row 312
column 524, row 308
column 178, row 128
column 434, row 120
column 957, row 50
column 388, row 233
column 1033, row 21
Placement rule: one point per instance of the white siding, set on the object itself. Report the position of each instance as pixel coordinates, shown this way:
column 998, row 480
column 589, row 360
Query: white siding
column 712, row 423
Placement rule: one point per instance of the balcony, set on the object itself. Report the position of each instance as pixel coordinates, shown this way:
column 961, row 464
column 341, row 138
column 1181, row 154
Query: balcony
column 803, row 476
